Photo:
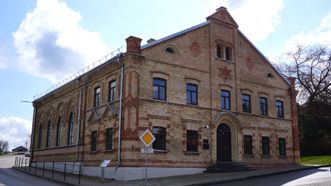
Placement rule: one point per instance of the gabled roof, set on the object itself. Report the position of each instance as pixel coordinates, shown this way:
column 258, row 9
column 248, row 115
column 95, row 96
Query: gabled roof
column 174, row 35
column 264, row 57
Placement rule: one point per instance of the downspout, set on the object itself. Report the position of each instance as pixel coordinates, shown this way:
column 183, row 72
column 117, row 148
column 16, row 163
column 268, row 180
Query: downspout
column 33, row 133
column 120, row 114
column 78, row 121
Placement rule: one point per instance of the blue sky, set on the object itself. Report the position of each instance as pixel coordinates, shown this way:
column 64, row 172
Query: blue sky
column 44, row 41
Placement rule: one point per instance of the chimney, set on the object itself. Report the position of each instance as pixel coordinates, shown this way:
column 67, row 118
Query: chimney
column 133, row 45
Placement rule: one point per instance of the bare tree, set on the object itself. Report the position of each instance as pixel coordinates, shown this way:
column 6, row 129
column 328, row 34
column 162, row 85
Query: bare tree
column 3, row 146
column 311, row 66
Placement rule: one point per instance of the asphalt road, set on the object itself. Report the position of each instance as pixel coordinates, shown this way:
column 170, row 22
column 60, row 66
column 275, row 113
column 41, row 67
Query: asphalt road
column 312, row 177
column 12, row 177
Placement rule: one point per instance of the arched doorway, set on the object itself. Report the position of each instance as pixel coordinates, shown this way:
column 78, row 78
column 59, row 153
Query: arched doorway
column 223, row 143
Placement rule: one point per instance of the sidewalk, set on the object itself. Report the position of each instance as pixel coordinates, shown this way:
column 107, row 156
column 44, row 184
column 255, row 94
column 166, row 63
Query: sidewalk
column 195, row 179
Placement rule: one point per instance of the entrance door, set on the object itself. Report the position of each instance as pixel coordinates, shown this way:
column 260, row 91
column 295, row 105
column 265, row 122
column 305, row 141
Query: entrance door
column 223, row 143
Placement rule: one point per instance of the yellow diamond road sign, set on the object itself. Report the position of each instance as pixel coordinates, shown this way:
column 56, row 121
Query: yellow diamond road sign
column 147, row 138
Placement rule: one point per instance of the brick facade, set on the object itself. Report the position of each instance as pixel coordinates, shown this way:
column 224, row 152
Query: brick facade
column 187, row 57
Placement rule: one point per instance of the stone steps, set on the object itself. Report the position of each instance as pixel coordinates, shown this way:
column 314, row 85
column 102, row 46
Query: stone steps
column 228, row 167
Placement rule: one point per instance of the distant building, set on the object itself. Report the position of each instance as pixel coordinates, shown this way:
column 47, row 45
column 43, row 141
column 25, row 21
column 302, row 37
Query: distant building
column 206, row 93
column 19, row 149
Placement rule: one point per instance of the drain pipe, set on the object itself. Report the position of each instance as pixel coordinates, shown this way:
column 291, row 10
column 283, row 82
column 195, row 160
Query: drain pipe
column 78, row 121
column 120, row 114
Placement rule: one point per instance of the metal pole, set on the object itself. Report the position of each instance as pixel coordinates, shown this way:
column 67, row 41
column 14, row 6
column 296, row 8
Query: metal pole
column 53, row 170
column 43, row 167
column 64, row 172
column 35, row 168
column 120, row 113
column 145, row 165
column 79, row 173
column 102, row 174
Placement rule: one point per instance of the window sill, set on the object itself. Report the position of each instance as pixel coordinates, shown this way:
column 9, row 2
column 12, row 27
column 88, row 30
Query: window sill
column 266, row 156
column 93, row 152
column 249, row 155
column 108, row 151
column 223, row 59
column 160, row 151
column 282, row 156
column 193, row 153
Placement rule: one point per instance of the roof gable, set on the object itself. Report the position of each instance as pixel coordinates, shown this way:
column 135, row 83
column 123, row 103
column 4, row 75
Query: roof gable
column 222, row 15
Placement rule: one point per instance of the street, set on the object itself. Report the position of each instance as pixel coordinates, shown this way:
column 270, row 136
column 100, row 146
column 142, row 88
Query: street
column 321, row 176
column 12, row 177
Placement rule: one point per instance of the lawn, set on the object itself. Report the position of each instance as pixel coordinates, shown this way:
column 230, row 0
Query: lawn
column 316, row 160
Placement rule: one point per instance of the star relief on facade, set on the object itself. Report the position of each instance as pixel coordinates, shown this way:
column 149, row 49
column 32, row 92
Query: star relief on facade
column 224, row 73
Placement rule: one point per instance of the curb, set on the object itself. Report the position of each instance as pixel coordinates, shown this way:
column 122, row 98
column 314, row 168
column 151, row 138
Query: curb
column 256, row 176
column 43, row 177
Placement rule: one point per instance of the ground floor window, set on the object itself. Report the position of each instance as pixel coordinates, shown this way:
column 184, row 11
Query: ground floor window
column 109, row 139
column 282, row 146
column 160, row 138
column 94, row 141
column 265, row 146
column 192, row 141
column 248, row 148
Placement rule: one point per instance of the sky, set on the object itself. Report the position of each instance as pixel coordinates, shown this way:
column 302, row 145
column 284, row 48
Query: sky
column 45, row 41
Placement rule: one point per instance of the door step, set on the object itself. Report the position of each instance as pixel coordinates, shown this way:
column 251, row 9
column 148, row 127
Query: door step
column 228, row 167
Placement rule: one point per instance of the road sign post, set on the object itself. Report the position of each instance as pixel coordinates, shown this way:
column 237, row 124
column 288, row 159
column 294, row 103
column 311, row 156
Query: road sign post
column 147, row 138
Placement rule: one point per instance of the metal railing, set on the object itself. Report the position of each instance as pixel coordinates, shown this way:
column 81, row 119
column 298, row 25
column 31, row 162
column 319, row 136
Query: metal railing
column 80, row 72
column 69, row 172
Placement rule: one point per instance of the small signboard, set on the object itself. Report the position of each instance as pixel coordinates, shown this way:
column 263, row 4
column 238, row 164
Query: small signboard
column 147, row 138
column 147, row 150
column 105, row 163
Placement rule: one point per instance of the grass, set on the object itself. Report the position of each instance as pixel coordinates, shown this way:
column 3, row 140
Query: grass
column 316, row 160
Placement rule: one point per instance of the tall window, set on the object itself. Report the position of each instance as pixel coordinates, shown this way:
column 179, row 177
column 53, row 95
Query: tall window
column 40, row 134
column 191, row 94
column 70, row 129
column 228, row 53
column 279, row 109
column 263, row 106
column 96, row 102
column 248, row 148
column 282, row 146
column 48, row 134
column 109, row 139
column 112, row 91
column 220, row 51
column 192, row 141
column 94, row 141
column 159, row 89
column 246, row 99
column 58, row 131
column 225, row 100
column 265, row 146
column 160, row 138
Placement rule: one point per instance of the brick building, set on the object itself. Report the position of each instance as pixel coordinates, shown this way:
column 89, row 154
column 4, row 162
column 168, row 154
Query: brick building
column 206, row 93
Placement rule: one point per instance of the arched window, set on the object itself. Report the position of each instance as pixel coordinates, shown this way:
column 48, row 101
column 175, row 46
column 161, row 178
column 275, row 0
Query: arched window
column 170, row 50
column 40, row 134
column 48, row 134
column 58, row 131
column 70, row 138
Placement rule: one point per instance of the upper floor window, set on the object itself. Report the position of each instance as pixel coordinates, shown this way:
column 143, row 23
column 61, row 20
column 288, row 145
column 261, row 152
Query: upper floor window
column 224, row 52
column 159, row 88
column 279, row 109
column 70, row 129
column 160, row 138
column 282, row 146
column 48, row 134
column 109, row 139
column 191, row 94
column 192, row 141
column 170, row 50
column 96, row 102
column 248, row 147
column 225, row 100
column 246, row 101
column 112, row 91
column 263, row 106
column 58, row 131
column 94, row 138
column 265, row 146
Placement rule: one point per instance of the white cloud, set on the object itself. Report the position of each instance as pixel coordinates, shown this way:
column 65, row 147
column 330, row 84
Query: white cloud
column 52, row 44
column 256, row 18
column 15, row 130
column 319, row 35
